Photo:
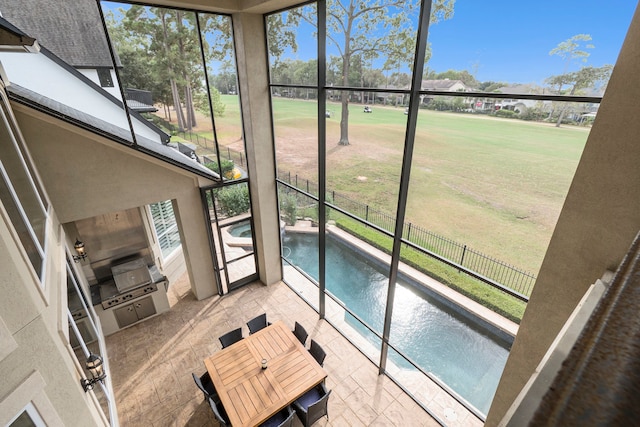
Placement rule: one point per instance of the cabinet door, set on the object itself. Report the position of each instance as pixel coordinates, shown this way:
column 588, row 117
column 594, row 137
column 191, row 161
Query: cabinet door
column 126, row 315
column 145, row 307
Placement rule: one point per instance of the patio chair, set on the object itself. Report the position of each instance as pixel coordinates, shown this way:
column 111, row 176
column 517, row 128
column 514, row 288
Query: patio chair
column 219, row 413
column 312, row 405
column 231, row 337
column 257, row 323
column 317, row 352
column 284, row 418
column 205, row 384
column 300, row 333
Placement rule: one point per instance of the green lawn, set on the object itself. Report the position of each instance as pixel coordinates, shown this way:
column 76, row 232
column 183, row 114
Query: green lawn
column 494, row 184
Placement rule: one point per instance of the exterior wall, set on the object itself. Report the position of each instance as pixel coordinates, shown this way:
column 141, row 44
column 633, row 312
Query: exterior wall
column 174, row 266
column 42, row 75
column 36, row 361
column 92, row 74
column 598, row 222
column 86, row 175
column 251, row 52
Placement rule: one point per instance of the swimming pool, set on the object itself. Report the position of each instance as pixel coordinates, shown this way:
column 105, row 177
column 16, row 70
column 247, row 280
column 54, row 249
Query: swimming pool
column 465, row 354
column 241, row 229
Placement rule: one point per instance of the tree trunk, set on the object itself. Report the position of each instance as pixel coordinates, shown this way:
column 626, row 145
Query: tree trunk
column 187, row 104
column 553, row 109
column 174, row 87
column 564, row 109
column 194, row 123
column 560, row 117
column 177, row 106
column 344, row 119
column 346, row 58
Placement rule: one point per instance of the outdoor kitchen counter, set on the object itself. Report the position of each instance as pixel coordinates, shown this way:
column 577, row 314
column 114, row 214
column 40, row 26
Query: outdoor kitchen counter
column 120, row 310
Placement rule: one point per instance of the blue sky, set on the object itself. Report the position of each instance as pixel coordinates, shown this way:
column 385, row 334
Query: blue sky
column 509, row 40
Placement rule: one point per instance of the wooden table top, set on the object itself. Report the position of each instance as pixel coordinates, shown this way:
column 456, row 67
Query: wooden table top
column 250, row 394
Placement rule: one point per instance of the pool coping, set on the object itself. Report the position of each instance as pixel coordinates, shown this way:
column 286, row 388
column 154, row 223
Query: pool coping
column 492, row 318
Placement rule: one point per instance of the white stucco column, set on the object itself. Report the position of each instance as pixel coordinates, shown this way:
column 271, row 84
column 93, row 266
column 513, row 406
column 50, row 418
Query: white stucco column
column 249, row 32
column 195, row 243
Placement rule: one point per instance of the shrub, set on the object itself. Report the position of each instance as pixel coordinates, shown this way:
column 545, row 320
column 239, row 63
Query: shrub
column 533, row 114
column 234, row 200
column 289, row 207
column 507, row 114
column 439, row 104
column 227, row 167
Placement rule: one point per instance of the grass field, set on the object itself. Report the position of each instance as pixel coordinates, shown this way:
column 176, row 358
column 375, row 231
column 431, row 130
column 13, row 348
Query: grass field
column 496, row 185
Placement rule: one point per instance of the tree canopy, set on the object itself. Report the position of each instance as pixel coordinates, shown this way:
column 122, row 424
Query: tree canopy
column 360, row 32
column 160, row 52
column 576, row 81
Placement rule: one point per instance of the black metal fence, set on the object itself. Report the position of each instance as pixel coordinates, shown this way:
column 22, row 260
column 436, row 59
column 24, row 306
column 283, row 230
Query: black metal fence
column 238, row 157
column 505, row 274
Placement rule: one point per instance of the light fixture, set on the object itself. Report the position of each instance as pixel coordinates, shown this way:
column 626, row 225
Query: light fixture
column 94, row 366
column 79, row 247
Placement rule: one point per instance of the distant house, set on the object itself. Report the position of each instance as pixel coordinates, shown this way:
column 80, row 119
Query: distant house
column 445, row 85
column 520, row 105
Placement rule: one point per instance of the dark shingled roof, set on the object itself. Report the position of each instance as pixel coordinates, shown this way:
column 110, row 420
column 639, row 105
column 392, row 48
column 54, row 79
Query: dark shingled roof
column 71, row 29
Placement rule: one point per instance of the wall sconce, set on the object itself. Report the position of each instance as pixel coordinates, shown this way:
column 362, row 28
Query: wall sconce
column 79, row 247
column 93, row 365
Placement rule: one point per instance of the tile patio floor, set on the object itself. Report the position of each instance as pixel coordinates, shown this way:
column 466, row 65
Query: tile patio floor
column 151, row 362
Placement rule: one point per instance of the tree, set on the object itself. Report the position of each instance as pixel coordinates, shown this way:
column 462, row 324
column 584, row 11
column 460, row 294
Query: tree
column 462, row 75
column 281, row 35
column 578, row 80
column 138, row 65
column 364, row 29
column 570, row 50
column 169, row 43
column 490, row 86
column 358, row 22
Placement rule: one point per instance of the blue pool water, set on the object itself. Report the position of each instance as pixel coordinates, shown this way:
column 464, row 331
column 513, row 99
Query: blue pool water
column 467, row 355
column 241, row 229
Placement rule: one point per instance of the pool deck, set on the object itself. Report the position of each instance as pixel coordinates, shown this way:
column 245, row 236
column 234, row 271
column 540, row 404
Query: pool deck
column 471, row 306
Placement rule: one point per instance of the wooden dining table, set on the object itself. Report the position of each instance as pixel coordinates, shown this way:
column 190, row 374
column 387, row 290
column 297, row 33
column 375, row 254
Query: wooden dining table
column 251, row 395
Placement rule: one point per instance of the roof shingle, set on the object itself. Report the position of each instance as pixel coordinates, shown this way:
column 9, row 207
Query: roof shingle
column 71, row 29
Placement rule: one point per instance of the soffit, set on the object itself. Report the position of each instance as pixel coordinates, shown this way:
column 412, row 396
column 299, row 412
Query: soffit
column 229, row 6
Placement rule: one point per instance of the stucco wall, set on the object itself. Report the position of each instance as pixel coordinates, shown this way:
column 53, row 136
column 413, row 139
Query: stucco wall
column 27, row 71
column 86, row 175
column 598, row 222
column 36, row 361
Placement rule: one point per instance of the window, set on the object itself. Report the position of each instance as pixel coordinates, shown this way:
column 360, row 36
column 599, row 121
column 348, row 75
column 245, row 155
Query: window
column 164, row 222
column 29, row 417
column 104, row 74
column 20, row 193
column 409, row 138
